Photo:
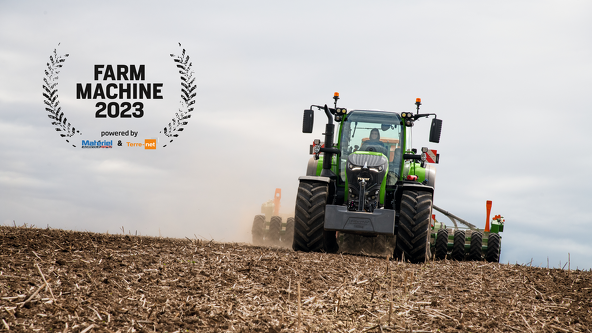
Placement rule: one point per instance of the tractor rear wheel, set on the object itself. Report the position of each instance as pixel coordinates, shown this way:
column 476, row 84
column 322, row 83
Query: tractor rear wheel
column 275, row 227
column 458, row 249
column 494, row 244
column 309, row 220
column 288, row 236
column 442, row 244
column 475, row 250
column 258, row 229
column 414, row 223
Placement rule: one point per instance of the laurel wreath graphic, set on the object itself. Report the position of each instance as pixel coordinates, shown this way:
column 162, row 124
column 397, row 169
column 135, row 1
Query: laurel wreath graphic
column 50, row 93
column 187, row 96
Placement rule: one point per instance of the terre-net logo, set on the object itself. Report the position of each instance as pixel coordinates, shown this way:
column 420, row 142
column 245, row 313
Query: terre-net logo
column 147, row 144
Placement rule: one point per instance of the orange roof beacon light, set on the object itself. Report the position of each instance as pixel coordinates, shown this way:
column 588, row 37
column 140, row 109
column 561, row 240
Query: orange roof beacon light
column 488, row 206
column 335, row 97
column 418, row 103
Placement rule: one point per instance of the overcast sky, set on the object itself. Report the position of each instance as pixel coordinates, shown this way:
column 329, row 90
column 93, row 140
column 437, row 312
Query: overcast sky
column 510, row 79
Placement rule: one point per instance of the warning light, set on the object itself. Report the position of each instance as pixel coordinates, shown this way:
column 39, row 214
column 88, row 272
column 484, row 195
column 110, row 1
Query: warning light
column 336, row 94
column 418, row 100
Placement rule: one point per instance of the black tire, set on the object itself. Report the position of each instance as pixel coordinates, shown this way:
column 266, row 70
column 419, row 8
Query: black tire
column 367, row 244
column 288, row 236
column 494, row 246
column 475, row 251
column 414, row 223
column 309, row 220
column 458, row 249
column 258, row 229
column 380, row 245
column 350, row 243
column 275, row 227
column 441, row 244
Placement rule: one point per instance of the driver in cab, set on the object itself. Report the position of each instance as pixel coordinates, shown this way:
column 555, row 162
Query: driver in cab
column 373, row 142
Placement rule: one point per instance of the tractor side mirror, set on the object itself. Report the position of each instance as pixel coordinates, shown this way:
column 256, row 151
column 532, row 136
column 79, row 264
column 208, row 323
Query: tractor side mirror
column 435, row 130
column 307, row 121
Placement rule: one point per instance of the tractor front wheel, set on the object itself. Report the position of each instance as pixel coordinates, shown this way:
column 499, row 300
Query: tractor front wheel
column 309, row 220
column 414, row 224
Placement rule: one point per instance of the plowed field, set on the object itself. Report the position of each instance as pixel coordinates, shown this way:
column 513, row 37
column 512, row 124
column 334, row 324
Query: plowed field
column 56, row 280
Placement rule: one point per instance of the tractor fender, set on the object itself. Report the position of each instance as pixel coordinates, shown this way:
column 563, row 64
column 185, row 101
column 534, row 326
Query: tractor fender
column 411, row 186
column 311, row 168
column 430, row 175
column 315, row 178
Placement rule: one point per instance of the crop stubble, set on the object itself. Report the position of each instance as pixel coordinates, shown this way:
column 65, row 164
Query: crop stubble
column 126, row 283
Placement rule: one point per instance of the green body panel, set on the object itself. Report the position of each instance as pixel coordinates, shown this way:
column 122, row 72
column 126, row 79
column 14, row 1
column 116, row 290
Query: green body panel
column 413, row 168
column 497, row 227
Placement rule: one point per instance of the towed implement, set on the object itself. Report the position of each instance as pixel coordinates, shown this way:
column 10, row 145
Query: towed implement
column 269, row 228
column 369, row 187
column 467, row 242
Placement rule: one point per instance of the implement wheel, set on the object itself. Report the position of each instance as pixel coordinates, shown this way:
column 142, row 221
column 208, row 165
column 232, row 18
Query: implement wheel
column 458, row 249
column 367, row 244
column 275, row 227
column 288, row 236
column 442, row 244
column 350, row 243
column 494, row 245
column 258, row 229
column 414, row 223
column 309, row 233
column 476, row 244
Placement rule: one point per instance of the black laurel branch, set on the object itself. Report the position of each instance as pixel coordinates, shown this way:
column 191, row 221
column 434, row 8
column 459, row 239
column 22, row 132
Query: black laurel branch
column 188, row 94
column 50, row 94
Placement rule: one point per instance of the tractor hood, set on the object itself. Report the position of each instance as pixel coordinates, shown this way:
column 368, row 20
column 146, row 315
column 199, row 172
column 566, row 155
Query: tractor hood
column 369, row 168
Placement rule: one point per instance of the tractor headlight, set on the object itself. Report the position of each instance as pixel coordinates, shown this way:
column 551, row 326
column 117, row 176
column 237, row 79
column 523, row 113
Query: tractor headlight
column 353, row 167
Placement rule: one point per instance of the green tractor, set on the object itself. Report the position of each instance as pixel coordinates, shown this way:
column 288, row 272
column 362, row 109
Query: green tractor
column 370, row 186
column 268, row 228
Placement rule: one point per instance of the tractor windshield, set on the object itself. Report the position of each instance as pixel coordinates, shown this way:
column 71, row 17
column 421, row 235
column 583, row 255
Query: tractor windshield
column 377, row 131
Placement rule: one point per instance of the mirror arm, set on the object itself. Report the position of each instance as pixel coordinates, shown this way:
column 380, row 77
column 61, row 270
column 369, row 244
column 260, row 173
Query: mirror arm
column 417, row 116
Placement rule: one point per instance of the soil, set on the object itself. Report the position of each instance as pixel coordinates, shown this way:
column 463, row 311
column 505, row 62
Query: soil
column 109, row 283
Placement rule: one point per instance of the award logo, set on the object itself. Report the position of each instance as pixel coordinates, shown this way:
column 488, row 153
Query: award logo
column 120, row 92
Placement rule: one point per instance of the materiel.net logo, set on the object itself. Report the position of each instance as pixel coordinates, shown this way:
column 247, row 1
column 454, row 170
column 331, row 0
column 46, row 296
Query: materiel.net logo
column 148, row 144
column 97, row 144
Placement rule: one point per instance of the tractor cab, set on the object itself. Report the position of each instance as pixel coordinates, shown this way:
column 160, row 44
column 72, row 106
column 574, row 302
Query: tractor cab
column 372, row 131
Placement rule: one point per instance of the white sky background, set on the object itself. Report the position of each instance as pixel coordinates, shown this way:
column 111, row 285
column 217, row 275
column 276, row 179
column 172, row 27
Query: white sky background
column 511, row 80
